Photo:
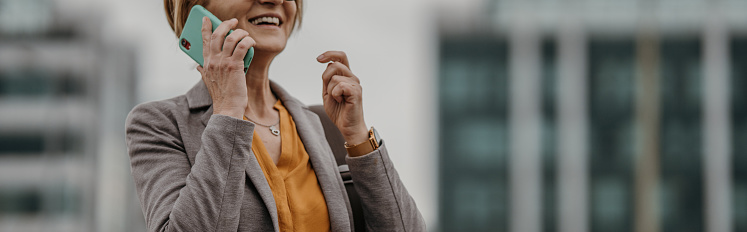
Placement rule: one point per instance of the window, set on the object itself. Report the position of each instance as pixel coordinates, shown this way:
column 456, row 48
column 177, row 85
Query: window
column 473, row 135
column 14, row 143
column 36, row 143
column 739, row 131
column 24, row 82
column 549, row 134
column 42, row 200
column 681, row 184
column 27, row 82
column 611, row 85
column 20, row 201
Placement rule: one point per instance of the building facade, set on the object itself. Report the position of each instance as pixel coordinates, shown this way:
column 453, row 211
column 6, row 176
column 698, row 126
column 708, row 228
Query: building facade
column 64, row 94
column 593, row 116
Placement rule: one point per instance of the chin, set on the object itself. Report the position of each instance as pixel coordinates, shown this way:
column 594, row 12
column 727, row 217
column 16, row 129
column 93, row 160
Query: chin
column 269, row 48
column 270, row 45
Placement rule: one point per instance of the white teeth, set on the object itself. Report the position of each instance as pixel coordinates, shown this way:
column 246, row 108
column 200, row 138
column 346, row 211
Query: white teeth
column 273, row 20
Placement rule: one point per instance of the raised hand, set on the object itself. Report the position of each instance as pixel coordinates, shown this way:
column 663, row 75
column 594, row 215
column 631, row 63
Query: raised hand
column 342, row 93
column 223, row 71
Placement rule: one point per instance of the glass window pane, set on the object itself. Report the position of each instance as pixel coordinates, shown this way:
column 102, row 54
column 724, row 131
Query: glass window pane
column 473, row 135
column 476, row 205
column 25, row 82
column 19, row 143
column 37, row 143
column 611, row 85
column 680, row 136
column 51, row 198
column 486, row 136
column 15, row 201
column 739, row 131
column 549, row 148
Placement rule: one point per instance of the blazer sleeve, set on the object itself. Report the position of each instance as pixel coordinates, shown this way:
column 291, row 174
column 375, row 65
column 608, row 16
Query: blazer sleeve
column 175, row 196
column 387, row 206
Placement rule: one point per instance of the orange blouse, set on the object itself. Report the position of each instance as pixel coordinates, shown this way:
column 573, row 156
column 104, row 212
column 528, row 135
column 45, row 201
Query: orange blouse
column 298, row 196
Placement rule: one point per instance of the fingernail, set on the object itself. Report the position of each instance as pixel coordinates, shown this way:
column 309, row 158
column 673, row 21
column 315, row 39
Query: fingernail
column 320, row 57
column 204, row 19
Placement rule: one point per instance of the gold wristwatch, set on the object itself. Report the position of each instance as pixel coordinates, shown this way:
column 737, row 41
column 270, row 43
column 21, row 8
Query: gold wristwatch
column 366, row 147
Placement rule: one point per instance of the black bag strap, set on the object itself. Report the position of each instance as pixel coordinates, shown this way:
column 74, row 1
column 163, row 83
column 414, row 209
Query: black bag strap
column 337, row 143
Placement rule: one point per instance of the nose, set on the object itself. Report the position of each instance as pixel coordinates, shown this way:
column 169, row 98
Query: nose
column 275, row 2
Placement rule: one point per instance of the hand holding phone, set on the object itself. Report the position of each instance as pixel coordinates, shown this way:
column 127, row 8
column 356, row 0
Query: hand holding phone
column 224, row 57
column 190, row 41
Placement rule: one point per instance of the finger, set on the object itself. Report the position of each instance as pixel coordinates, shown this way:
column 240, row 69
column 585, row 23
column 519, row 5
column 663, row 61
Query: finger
column 336, row 68
column 344, row 91
column 337, row 80
column 337, row 93
column 232, row 40
column 207, row 30
column 243, row 47
column 338, row 56
column 219, row 35
column 199, row 68
column 330, row 84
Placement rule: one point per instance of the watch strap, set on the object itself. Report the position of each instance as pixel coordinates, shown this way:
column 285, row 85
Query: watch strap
column 366, row 147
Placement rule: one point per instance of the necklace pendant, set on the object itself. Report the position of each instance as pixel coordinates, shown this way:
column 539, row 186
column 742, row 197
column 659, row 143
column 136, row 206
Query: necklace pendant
column 274, row 130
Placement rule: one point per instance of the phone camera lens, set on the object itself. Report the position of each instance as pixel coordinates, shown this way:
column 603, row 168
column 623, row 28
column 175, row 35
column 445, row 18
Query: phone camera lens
column 185, row 44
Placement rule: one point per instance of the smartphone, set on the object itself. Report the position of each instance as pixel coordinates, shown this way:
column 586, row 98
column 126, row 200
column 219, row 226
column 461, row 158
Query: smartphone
column 190, row 41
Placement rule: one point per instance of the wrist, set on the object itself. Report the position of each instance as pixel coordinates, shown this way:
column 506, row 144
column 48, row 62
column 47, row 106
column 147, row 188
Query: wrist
column 366, row 147
column 359, row 136
column 235, row 113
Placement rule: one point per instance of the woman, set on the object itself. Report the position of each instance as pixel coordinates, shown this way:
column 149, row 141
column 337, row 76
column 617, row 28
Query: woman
column 238, row 153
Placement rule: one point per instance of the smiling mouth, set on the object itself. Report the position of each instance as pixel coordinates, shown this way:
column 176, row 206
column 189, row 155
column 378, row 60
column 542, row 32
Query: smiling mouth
column 266, row 20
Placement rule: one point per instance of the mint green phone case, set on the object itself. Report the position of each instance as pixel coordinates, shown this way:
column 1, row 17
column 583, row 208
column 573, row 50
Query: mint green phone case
column 190, row 41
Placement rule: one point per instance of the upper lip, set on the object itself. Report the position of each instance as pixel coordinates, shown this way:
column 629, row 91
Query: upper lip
column 268, row 15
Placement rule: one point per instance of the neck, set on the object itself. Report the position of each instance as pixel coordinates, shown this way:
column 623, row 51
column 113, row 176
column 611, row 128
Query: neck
column 261, row 100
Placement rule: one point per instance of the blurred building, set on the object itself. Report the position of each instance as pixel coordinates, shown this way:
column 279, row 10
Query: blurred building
column 575, row 116
column 64, row 93
column 553, row 115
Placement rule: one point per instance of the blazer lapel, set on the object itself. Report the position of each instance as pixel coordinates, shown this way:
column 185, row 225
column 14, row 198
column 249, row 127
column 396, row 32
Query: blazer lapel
column 200, row 109
column 198, row 99
column 312, row 135
column 254, row 171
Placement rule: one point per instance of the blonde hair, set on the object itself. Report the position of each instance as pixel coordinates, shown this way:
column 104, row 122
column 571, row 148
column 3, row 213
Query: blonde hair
column 178, row 10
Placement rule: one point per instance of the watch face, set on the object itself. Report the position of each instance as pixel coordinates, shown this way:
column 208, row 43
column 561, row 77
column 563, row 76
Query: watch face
column 376, row 136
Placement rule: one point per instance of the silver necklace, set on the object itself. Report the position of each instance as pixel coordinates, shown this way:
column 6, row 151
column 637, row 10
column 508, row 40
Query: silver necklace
column 273, row 129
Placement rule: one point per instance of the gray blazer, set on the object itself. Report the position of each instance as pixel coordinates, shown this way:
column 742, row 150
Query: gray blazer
column 195, row 171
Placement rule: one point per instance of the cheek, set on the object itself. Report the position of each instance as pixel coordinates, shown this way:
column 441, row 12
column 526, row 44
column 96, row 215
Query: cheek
column 290, row 11
column 288, row 25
